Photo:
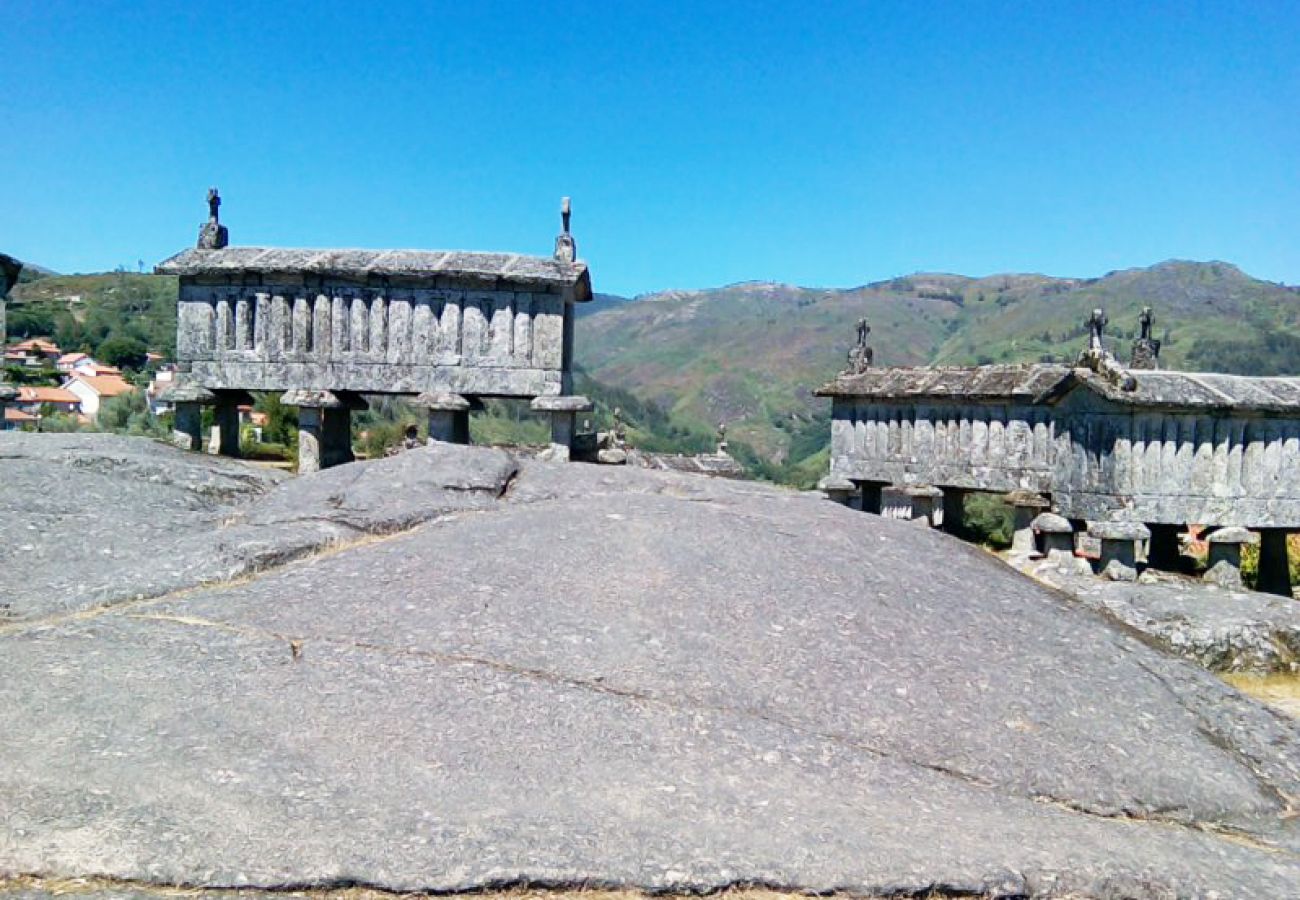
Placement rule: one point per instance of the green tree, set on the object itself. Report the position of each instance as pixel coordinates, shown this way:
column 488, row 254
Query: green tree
column 129, row 414
column 123, row 352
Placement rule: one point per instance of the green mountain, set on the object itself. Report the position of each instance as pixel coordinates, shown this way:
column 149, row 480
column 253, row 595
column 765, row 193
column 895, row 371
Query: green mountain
column 750, row 354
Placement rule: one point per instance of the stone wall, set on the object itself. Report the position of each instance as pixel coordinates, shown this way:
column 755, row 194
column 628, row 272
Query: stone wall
column 345, row 337
column 976, row 446
column 1174, row 467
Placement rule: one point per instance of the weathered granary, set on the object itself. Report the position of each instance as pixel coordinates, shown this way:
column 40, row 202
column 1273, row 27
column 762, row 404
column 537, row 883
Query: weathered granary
column 327, row 326
column 1101, row 442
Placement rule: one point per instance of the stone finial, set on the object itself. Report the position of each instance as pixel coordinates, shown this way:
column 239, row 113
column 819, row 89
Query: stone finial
column 722, row 439
column 1096, row 323
column 213, row 235
column 1097, row 358
column 1146, row 349
column 566, row 248
column 861, row 355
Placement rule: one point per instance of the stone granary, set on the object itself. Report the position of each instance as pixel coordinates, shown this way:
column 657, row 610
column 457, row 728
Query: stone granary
column 328, row 326
column 1098, row 442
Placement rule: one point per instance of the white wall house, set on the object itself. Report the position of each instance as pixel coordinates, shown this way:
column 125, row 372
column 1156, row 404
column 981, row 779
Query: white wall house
column 92, row 391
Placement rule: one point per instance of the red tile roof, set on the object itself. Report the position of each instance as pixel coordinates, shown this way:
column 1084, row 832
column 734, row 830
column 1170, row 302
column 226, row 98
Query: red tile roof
column 104, row 385
column 29, row 394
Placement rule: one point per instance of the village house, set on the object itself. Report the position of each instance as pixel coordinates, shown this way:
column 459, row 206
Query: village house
column 69, row 361
column 89, row 367
column 92, row 390
column 164, row 378
column 33, row 399
column 16, row 419
column 33, row 353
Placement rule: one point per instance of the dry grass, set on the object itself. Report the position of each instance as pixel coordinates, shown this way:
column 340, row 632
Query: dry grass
column 1279, row 691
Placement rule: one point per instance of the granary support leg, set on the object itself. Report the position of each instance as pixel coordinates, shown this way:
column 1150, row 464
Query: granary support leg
column 1025, row 506
column 324, row 428
column 187, row 400
column 1162, row 553
column 563, row 412
column 1225, row 555
column 311, row 427
column 925, row 503
column 1274, row 562
column 954, row 511
column 225, row 420
column 336, row 437
column 1054, row 533
column 1119, row 542
column 837, row 489
column 187, row 426
column 872, row 496
column 448, row 417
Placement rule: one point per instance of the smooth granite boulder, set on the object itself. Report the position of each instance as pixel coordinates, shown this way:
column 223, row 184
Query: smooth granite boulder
column 525, row 673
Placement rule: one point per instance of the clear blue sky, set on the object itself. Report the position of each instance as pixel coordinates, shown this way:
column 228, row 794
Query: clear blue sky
column 702, row 142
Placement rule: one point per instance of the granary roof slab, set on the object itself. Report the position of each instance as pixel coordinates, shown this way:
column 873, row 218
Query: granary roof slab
column 364, row 264
column 1047, row 383
column 1035, row 383
column 1202, row 390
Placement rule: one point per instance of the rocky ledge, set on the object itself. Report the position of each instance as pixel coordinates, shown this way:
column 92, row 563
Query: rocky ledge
column 453, row 669
column 1224, row 629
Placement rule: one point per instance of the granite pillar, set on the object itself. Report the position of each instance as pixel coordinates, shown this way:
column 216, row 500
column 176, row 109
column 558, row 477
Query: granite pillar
column 225, row 426
column 871, row 496
column 954, row 511
column 187, row 425
column 1025, row 505
column 1119, row 541
column 7, row 396
column 187, row 400
column 1274, row 562
column 563, row 413
column 1054, row 534
column 1163, row 552
column 925, row 503
column 448, row 417
column 1224, row 560
column 324, row 428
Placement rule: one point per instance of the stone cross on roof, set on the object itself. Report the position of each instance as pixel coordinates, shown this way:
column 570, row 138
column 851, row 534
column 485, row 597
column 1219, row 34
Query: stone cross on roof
column 861, row 356
column 1146, row 349
column 566, row 249
column 1096, row 323
column 1096, row 357
column 213, row 235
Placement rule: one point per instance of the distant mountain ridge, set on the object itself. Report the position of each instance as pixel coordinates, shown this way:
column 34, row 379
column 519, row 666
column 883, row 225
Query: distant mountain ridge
column 751, row 353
